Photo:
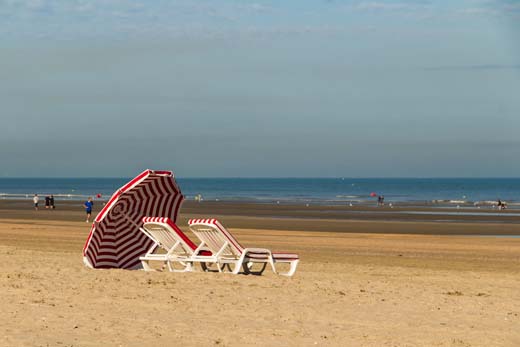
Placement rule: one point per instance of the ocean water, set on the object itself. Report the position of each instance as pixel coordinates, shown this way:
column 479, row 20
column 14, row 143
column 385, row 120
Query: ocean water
column 301, row 190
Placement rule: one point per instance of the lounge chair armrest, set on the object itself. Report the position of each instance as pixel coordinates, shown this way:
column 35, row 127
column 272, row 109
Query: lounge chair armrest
column 257, row 250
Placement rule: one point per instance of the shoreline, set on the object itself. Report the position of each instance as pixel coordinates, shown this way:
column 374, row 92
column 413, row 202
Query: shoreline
column 490, row 205
column 342, row 219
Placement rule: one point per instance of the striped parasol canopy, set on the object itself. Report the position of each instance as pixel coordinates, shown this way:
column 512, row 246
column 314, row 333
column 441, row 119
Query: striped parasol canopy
column 115, row 240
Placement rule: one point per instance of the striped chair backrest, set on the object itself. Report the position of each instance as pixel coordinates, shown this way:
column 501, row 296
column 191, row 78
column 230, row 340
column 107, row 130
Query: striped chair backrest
column 214, row 235
column 166, row 234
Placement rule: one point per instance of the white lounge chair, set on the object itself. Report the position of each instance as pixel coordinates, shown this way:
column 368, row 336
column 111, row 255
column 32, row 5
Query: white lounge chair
column 228, row 251
column 170, row 238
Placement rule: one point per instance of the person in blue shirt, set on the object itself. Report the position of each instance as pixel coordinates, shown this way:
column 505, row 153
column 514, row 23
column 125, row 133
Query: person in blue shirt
column 88, row 208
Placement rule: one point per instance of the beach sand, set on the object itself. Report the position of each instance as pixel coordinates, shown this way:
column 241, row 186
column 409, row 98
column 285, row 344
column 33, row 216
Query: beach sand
column 363, row 280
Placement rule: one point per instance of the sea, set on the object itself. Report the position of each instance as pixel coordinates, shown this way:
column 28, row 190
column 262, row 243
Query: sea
column 455, row 191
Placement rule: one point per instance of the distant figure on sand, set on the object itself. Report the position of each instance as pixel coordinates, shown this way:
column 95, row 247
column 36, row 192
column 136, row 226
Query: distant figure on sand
column 501, row 205
column 47, row 201
column 35, row 200
column 88, row 208
column 51, row 202
column 380, row 200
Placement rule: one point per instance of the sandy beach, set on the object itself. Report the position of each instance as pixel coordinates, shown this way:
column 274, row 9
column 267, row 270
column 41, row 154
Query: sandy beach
column 372, row 142
column 365, row 279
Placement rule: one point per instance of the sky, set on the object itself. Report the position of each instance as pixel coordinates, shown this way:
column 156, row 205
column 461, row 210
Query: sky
column 410, row 88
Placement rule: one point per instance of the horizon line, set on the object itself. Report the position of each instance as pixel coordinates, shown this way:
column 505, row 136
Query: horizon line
column 271, row 177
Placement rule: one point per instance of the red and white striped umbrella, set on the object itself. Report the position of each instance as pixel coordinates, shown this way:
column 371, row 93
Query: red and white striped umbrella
column 115, row 240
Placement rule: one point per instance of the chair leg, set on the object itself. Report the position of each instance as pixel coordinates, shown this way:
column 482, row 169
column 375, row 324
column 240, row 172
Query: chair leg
column 242, row 261
column 188, row 267
column 271, row 261
column 237, row 267
column 146, row 266
column 292, row 269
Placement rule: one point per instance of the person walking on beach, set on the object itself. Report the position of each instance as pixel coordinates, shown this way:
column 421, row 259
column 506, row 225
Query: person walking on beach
column 51, row 202
column 47, row 201
column 35, row 200
column 501, row 205
column 88, row 208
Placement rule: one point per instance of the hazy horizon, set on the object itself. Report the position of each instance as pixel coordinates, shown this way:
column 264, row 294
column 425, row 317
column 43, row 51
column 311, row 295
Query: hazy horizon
column 410, row 88
column 273, row 177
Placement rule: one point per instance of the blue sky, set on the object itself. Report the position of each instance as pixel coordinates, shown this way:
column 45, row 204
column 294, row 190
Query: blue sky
column 260, row 88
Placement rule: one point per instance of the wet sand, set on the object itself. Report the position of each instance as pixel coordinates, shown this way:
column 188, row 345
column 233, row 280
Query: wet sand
column 364, row 280
column 386, row 220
